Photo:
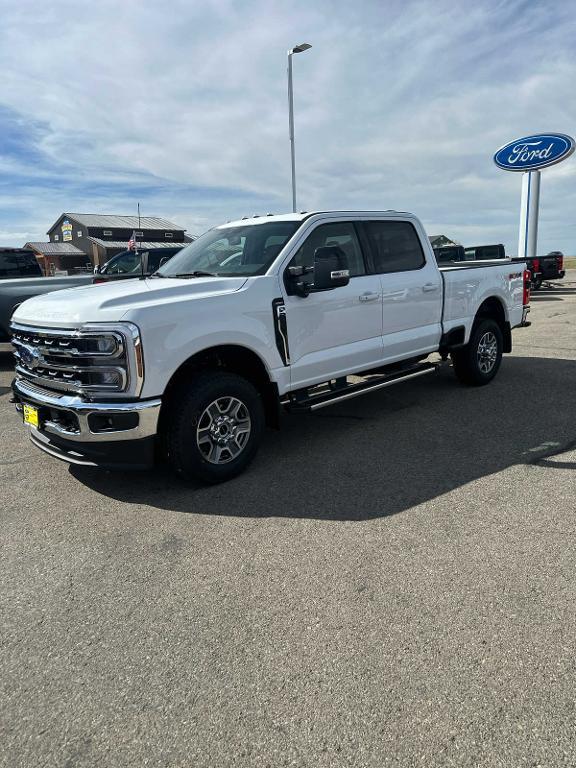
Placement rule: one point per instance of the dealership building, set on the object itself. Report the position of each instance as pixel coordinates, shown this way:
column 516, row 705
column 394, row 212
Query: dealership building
column 80, row 241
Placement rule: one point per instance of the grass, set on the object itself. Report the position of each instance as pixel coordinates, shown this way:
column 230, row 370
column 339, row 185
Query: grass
column 570, row 262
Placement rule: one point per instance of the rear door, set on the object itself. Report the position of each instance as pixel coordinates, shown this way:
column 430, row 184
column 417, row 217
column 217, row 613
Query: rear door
column 411, row 287
column 332, row 333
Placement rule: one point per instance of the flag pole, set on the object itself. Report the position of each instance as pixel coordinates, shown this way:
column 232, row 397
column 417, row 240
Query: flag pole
column 142, row 275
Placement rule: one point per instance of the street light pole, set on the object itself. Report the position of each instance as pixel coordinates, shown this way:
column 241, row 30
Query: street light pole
column 297, row 49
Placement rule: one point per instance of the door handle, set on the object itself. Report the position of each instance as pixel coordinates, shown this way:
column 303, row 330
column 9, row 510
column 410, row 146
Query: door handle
column 430, row 287
column 369, row 296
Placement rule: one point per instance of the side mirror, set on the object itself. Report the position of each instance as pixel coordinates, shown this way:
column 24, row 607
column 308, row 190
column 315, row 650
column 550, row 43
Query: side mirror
column 163, row 261
column 97, row 269
column 330, row 268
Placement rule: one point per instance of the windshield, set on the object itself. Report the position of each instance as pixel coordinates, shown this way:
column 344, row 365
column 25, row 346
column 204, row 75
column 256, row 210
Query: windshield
column 235, row 251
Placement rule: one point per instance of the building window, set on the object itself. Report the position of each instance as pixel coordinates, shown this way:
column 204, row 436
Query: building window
column 107, row 233
column 56, row 238
column 168, row 235
column 79, row 233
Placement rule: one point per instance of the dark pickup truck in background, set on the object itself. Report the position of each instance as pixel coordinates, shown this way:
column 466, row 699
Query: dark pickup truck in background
column 545, row 268
column 541, row 268
column 447, row 254
column 14, row 291
column 21, row 278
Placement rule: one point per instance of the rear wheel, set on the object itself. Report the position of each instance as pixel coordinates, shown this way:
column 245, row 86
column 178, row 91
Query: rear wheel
column 537, row 283
column 214, row 427
column 478, row 362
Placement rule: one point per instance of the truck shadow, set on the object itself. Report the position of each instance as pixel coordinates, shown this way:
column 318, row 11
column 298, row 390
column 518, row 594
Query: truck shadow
column 552, row 292
column 381, row 454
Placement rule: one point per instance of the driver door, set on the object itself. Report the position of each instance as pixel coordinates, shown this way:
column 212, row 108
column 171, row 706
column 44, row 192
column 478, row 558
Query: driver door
column 339, row 331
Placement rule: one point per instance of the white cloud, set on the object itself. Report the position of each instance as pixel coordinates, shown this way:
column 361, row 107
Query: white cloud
column 397, row 105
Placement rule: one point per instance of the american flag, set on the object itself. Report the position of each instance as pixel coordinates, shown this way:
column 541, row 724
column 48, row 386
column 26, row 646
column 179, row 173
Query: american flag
column 132, row 242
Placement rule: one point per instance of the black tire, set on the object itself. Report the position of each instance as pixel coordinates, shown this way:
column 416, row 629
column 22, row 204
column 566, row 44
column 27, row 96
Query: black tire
column 474, row 365
column 536, row 284
column 193, row 437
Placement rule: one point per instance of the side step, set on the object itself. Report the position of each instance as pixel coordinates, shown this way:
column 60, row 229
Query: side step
column 328, row 394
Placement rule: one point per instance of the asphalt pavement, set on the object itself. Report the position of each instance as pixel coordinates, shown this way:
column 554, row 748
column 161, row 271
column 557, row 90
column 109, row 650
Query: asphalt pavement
column 391, row 584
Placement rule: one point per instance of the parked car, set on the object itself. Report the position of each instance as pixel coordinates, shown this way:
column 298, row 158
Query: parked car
column 14, row 292
column 449, row 253
column 544, row 268
column 130, row 264
column 293, row 312
column 18, row 262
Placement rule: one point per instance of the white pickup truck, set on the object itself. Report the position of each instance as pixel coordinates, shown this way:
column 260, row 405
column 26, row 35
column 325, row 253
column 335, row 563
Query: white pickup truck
column 296, row 311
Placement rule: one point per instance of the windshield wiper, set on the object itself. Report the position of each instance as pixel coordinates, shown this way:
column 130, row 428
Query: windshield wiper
column 156, row 274
column 196, row 273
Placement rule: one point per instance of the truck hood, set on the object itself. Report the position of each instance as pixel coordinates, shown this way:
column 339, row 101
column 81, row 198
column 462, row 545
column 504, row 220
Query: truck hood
column 110, row 302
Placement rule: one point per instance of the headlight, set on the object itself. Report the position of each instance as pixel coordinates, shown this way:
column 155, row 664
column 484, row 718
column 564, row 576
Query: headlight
column 107, row 345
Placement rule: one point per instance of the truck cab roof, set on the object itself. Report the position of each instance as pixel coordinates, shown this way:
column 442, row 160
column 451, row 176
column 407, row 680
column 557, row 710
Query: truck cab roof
column 303, row 215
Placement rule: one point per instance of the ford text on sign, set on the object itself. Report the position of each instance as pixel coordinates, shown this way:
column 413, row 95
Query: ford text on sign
column 534, row 152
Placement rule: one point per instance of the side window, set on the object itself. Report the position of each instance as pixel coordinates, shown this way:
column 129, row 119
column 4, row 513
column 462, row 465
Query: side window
column 154, row 260
column 130, row 262
column 341, row 234
column 396, row 246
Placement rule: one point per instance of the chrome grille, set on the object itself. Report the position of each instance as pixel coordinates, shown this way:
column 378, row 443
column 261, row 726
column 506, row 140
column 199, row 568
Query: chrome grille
column 71, row 361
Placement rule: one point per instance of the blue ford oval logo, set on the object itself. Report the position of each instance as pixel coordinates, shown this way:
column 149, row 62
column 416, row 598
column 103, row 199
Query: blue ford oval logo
column 534, row 152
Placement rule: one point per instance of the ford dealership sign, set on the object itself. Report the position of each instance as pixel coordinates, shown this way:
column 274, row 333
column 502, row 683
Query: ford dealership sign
column 534, row 152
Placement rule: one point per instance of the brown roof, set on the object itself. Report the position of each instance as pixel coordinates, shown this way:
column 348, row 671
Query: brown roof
column 56, row 249
column 114, row 221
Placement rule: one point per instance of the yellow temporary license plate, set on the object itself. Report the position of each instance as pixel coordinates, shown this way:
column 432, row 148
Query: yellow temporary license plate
column 30, row 415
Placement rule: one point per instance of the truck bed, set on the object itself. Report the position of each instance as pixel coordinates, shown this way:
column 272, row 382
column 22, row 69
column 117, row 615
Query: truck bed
column 467, row 284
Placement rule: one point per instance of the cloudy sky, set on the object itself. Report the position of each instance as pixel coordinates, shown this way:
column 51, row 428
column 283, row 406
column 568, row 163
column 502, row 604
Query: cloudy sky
column 182, row 105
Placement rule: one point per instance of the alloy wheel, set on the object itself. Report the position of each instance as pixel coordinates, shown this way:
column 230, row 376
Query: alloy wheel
column 223, row 430
column 487, row 352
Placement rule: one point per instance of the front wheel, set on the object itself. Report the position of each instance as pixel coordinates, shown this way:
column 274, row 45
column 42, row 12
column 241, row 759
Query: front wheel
column 215, row 427
column 477, row 363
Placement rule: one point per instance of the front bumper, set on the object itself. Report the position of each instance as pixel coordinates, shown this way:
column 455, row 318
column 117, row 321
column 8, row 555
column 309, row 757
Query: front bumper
column 95, row 434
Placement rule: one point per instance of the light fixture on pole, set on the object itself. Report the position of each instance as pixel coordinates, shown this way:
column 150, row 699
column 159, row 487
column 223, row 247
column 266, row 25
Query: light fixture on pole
column 297, row 49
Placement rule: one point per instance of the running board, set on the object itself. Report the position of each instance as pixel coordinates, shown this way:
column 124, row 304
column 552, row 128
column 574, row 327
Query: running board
column 338, row 394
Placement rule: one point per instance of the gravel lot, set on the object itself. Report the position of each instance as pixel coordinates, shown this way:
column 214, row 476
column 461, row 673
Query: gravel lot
column 391, row 584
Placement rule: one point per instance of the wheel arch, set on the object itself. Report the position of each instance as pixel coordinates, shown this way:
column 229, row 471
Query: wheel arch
column 494, row 308
column 233, row 358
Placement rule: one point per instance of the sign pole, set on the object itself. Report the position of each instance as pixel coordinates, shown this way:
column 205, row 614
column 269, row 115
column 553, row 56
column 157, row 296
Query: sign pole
column 528, row 155
column 529, row 206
